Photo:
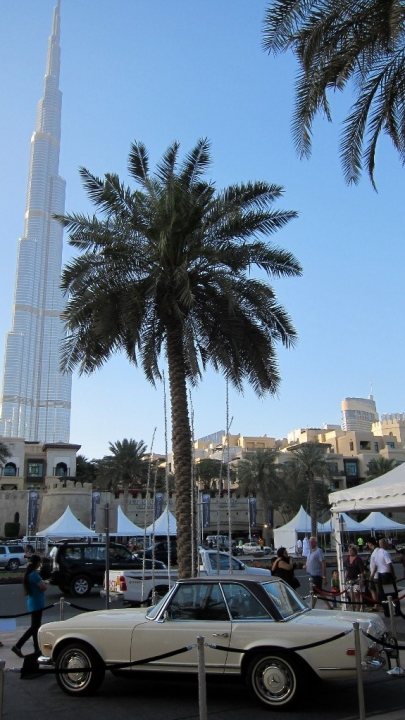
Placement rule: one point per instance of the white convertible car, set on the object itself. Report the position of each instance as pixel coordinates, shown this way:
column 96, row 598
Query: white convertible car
column 254, row 627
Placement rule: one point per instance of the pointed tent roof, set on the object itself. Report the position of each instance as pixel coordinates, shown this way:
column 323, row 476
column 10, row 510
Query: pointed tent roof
column 165, row 524
column 125, row 526
column 301, row 522
column 286, row 535
column 379, row 521
column 350, row 525
column 66, row 526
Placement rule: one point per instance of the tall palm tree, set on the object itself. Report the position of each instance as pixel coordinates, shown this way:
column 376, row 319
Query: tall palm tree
column 126, row 464
column 307, row 464
column 341, row 42
column 380, row 466
column 85, row 469
column 167, row 267
column 4, row 453
column 258, row 475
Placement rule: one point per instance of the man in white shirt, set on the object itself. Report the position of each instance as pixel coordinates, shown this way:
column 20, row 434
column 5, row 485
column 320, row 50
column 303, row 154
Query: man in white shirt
column 381, row 565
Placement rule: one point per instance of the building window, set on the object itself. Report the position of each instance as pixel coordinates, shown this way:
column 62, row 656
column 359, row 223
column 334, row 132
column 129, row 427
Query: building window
column 364, row 445
column 376, row 446
column 351, row 468
column 351, row 446
column 390, row 444
column 10, row 469
column 35, row 470
column 61, row 470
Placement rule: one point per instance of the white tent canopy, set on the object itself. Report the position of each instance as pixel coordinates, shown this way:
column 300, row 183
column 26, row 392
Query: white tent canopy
column 165, row 524
column 349, row 525
column 379, row 521
column 125, row 526
column 66, row 526
column 286, row 535
column 382, row 493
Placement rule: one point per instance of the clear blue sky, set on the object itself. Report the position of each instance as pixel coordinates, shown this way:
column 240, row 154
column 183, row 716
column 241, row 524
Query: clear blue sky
column 157, row 71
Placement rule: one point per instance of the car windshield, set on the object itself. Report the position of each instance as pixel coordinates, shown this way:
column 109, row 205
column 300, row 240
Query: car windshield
column 284, row 598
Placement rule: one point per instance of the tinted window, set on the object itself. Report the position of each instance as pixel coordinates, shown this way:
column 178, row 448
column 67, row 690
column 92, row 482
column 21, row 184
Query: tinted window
column 198, row 602
column 242, row 604
column 284, row 598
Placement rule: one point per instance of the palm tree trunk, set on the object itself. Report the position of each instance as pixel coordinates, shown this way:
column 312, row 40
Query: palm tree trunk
column 312, row 504
column 181, row 446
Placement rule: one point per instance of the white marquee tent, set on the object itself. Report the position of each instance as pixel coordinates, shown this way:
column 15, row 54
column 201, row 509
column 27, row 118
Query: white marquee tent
column 349, row 525
column 66, row 526
column 165, row 524
column 383, row 493
column 286, row 535
column 379, row 521
column 125, row 526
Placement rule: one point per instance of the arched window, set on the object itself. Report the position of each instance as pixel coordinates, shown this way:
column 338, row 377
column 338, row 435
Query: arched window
column 61, row 470
column 10, row 469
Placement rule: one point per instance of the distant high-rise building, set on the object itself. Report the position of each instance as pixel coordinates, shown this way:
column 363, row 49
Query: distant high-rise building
column 358, row 413
column 35, row 403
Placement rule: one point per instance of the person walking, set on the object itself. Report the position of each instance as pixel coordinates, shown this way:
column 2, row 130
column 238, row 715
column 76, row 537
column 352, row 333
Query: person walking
column 354, row 577
column 371, row 585
column 381, row 564
column 316, row 565
column 34, row 588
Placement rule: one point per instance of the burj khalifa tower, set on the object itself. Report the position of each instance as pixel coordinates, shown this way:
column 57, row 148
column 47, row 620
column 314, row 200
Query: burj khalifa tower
column 36, row 396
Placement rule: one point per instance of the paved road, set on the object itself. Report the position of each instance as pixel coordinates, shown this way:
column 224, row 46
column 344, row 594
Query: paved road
column 170, row 698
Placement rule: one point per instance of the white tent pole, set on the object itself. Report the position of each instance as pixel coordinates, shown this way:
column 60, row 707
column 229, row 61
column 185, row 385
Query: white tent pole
column 337, row 524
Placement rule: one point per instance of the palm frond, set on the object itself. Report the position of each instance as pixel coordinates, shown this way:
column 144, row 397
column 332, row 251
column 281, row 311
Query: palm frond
column 196, row 163
column 138, row 162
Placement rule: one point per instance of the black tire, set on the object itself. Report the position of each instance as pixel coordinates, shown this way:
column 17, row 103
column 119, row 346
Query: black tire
column 13, row 564
column 80, row 586
column 276, row 679
column 77, row 657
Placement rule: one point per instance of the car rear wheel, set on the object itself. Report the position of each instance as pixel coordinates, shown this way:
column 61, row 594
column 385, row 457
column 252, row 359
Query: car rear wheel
column 276, row 679
column 80, row 586
column 13, row 564
column 84, row 668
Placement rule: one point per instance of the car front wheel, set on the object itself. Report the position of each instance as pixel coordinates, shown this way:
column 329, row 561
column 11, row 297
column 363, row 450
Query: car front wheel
column 83, row 669
column 13, row 565
column 80, row 586
column 275, row 679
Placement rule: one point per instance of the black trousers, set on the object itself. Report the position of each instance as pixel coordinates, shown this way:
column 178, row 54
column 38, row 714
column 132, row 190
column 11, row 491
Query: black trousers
column 36, row 619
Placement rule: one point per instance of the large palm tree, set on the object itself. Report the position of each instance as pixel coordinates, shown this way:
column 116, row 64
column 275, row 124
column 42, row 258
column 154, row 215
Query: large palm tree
column 341, row 42
column 308, row 464
column 259, row 475
column 380, row 466
column 167, row 267
column 126, row 464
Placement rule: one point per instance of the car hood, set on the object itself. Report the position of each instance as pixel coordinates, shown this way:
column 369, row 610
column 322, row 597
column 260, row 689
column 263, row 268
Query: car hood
column 98, row 619
column 335, row 621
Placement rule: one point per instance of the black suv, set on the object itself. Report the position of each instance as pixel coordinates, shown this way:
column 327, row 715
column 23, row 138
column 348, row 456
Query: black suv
column 79, row 566
column 159, row 550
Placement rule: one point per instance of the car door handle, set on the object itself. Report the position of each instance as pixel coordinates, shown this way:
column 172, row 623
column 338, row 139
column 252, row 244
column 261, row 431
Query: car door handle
column 225, row 634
